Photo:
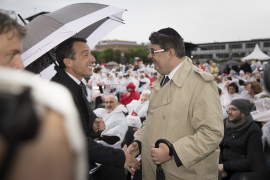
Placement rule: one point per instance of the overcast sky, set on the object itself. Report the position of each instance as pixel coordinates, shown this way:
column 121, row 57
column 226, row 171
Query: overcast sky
column 197, row 21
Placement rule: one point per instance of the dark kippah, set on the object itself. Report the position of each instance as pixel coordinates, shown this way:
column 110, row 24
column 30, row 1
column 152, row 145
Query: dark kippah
column 243, row 105
column 169, row 32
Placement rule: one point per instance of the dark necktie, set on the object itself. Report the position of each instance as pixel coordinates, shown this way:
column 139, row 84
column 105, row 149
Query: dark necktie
column 84, row 88
column 85, row 99
column 165, row 81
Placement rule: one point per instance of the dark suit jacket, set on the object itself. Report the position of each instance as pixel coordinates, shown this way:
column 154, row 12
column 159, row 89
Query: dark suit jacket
column 97, row 152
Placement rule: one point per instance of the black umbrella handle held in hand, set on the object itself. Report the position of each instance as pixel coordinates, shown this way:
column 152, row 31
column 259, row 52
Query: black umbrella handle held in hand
column 159, row 173
column 167, row 143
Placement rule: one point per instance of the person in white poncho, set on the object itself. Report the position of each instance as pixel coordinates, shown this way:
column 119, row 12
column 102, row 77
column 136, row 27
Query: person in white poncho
column 137, row 110
column 233, row 93
column 144, row 83
column 115, row 121
column 113, row 135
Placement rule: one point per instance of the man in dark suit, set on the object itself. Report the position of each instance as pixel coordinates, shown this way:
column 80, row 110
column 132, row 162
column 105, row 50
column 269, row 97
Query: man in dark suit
column 75, row 61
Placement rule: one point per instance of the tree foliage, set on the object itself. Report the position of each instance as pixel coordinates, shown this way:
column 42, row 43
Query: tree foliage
column 115, row 55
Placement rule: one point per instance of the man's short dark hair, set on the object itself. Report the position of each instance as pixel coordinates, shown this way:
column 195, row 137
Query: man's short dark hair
column 66, row 50
column 8, row 24
column 167, row 42
column 235, row 87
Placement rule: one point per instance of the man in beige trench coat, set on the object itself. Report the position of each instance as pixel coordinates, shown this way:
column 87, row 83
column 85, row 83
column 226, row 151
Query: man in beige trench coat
column 185, row 110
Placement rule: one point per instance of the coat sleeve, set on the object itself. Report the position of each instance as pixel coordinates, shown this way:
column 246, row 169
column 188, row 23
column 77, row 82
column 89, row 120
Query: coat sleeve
column 253, row 159
column 206, row 120
column 105, row 155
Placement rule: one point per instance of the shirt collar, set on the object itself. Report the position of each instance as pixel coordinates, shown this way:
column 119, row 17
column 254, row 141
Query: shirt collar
column 75, row 79
column 174, row 71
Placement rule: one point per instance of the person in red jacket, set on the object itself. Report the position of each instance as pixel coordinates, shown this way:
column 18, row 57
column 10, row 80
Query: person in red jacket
column 130, row 95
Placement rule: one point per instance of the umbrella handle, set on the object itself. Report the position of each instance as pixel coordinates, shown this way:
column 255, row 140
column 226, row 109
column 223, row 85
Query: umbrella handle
column 170, row 146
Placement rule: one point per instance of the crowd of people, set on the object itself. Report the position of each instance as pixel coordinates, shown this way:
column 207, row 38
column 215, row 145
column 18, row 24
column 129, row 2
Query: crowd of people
column 94, row 121
column 246, row 85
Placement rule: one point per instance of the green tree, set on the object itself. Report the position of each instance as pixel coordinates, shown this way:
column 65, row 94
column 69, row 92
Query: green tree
column 107, row 55
column 96, row 55
column 117, row 56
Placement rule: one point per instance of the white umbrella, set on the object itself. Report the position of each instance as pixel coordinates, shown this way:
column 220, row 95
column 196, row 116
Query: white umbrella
column 86, row 20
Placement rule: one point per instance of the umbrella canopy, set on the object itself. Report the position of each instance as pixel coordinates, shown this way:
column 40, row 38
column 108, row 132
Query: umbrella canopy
column 112, row 63
column 84, row 20
column 221, row 68
column 232, row 63
column 256, row 54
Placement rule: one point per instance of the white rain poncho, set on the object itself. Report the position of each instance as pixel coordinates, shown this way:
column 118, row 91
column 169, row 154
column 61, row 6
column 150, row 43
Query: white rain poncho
column 244, row 94
column 241, row 75
column 227, row 98
column 53, row 96
column 225, row 114
column 266, row 134
column 262, row 113
column 145, row 81
column 111, row 84
column 136, row 110
column 97, row 81
column 116, row 124
column 121, row 88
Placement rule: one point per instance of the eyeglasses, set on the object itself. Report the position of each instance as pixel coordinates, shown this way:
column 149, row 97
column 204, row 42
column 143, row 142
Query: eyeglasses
column 232, row 109
column 152, row 51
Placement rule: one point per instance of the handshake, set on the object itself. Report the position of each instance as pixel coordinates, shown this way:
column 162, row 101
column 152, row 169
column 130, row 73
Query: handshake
column 131, row 152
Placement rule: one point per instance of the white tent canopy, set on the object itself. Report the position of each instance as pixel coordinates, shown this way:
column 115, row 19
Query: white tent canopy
column 256, row 54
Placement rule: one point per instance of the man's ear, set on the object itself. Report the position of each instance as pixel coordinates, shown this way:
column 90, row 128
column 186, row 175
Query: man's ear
column 171, row 53
column 243, row 115
column 67, row 62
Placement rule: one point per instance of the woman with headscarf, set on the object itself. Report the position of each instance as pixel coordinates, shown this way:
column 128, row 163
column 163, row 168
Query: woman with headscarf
column 144, row 83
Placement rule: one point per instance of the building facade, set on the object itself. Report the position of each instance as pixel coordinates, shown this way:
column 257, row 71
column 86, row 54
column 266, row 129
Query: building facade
column 229, row 50
column 115, row 44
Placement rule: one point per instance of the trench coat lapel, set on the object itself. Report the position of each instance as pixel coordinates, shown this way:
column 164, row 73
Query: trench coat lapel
column 182, row 73
column 180, row 76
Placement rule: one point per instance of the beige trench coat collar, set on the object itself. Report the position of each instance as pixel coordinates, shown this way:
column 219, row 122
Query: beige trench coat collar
column 185, row 69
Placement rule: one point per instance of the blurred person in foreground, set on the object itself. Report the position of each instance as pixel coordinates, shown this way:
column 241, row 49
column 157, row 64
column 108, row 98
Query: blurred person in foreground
column 11, row 34
column 241, row 147
column 180, row 112
column 75, row 61
column 39, row 137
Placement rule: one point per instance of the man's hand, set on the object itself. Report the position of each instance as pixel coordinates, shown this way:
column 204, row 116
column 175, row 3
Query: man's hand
column 128, row 94
column 220, row 167
column 98, row 125
column 102, row 125
column 160, row 155
column 130, row 161
column 224, row 174
column 133, row 149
